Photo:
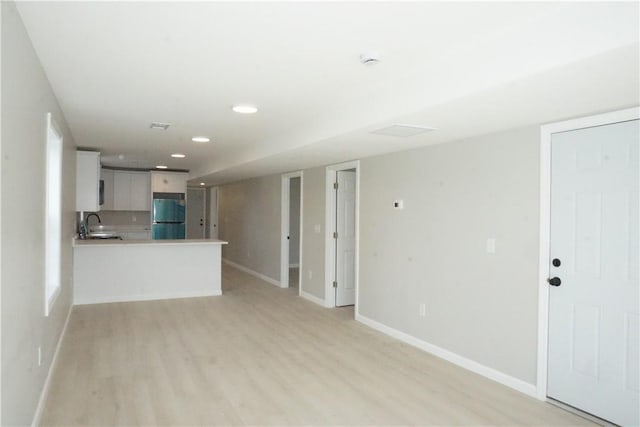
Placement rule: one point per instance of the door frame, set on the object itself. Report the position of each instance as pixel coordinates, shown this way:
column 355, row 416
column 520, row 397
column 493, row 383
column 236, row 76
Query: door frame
column 546, row 132
column 213, row 213
column 330, row 226
column 284, row 228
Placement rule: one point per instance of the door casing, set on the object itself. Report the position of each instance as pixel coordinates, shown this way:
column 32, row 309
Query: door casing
column 330, row 226
column 284, row 228
column 546, row 132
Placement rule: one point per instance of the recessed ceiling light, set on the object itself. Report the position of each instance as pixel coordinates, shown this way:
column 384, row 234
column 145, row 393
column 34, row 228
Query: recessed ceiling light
column 161, row 167
column 178, row 155
column 200, row 139
column 202, row 183
column 160, row 125
column 245, row 109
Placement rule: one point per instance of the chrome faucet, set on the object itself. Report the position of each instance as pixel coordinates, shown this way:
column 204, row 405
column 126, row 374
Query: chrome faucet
column 86, row 221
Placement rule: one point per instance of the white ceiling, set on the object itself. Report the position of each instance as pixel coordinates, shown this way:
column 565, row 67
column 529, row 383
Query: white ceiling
column 463, row 68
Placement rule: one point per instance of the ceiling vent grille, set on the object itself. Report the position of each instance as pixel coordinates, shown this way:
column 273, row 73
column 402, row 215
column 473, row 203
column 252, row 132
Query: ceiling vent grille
column 160, row 125
column 402, row 131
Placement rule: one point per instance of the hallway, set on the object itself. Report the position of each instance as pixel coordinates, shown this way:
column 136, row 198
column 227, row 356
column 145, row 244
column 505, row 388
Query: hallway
column 260, row 355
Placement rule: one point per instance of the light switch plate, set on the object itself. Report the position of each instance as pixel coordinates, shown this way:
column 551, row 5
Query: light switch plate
column 491, row 245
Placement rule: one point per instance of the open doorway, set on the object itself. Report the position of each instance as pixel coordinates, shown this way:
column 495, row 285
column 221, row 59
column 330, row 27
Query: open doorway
column 291, row 230
column 341, row 248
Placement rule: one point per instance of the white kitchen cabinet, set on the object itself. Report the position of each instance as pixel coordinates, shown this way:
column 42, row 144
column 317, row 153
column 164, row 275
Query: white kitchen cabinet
column 106, row 175
column 131, row 191
column 140, row 191
column 168, row 182
column 87, row 181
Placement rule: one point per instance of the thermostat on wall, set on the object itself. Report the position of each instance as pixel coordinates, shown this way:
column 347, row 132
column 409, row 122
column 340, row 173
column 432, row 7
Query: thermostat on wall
column 398, row 204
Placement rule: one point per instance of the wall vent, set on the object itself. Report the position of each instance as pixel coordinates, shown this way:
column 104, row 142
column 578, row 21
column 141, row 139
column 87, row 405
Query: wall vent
column 160, row 125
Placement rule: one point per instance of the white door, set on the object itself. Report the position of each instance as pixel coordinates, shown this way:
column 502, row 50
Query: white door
column 213, row 212
column 195, row 213
column 593, row 302
column 346, row 238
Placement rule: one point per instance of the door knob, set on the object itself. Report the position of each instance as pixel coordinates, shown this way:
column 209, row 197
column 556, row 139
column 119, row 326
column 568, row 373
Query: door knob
column 556, row 262
column 554, row 281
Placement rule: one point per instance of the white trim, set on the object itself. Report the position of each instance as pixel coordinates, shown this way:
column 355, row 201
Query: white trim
column 285, row 202
column 296, row 265
column 546, row 131
column 312, row 298
column 37, row 417
column 132, row 298
column 330, row 225
column 254, row 273
column 456, row 359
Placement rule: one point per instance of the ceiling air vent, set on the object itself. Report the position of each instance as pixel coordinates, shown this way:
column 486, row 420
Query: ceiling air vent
column 160, row 125
column 402, row 131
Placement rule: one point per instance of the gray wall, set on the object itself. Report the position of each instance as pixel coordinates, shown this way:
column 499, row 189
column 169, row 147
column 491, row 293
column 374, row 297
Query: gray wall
column 294, row 220
column 26, row 98
column 249, row 219
column 479, row 305
column 313, row 213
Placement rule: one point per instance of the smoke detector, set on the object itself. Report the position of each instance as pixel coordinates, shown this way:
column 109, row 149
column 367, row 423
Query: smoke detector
column 370, row 57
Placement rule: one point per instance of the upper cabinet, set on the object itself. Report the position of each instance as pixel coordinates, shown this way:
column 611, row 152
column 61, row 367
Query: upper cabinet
column 168, row 182
column 87, row 181
column 130, row 190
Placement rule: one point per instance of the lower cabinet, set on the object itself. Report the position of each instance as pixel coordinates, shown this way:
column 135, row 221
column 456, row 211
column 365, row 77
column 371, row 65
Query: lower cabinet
column 136, row 235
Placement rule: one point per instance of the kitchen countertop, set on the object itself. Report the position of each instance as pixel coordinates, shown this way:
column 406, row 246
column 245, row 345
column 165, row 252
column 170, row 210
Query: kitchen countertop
column 116, row 242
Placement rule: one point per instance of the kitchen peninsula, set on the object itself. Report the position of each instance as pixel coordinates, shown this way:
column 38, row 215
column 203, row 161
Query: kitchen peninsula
column 137, row 270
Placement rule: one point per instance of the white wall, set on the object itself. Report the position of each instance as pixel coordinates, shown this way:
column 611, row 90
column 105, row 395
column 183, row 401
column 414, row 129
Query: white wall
column 481, row 306
column 249, row 219
column 294, row 220
column 26, row 99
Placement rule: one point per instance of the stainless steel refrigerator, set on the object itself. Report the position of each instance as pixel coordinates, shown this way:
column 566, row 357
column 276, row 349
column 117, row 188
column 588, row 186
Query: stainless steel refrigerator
column 168, row 218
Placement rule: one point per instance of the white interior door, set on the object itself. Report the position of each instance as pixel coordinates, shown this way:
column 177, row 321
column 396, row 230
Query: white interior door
column 346, row 238
column 593, row 303
column 195, row 213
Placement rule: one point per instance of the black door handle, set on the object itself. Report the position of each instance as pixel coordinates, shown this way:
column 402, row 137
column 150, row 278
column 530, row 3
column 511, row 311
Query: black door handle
column 554, row 281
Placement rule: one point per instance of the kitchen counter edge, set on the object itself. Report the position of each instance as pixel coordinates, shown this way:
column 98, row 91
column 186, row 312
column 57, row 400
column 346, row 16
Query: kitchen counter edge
column 115, row 242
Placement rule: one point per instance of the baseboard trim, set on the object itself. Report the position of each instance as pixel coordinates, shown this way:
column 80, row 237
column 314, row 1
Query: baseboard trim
column 134, row 298
column 312, row 298
column 456, row 359
column 37, row 417
column 252, row 272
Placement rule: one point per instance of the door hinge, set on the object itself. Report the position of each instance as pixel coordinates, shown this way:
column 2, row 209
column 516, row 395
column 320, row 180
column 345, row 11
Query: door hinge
column 335, row 234
column 335, row 185
column 335, row 284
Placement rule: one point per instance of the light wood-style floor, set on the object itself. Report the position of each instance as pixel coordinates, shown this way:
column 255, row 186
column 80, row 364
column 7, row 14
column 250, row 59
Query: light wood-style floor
column 260, row 355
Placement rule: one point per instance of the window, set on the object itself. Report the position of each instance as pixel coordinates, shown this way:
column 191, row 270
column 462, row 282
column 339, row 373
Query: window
column 53, row 220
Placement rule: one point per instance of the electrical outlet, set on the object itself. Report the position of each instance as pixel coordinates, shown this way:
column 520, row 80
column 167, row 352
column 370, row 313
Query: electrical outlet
column 310, row 273
column 39, row 356
column 423, row 310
